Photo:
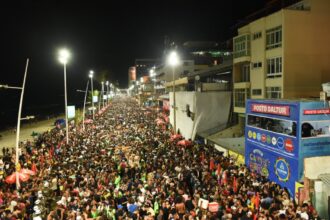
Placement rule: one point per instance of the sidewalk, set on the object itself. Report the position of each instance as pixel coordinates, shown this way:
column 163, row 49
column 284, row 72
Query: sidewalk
column 8, row 138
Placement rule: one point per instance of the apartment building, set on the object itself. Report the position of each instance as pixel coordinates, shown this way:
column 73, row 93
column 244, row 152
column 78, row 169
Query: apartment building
column 284, row 55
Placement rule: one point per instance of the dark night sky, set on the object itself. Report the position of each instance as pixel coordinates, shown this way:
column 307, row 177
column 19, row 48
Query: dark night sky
column 103, row 37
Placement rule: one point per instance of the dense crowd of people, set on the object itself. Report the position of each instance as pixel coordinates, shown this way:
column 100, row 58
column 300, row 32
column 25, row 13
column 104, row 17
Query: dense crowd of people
column 125, row 166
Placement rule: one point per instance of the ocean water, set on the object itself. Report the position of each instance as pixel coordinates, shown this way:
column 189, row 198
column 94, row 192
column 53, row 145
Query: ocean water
column 8, row 116
column 41, row 112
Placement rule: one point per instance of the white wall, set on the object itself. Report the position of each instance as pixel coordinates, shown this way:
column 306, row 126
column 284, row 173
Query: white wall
column 211, row 110
column 322, row 191
column 314, row 166
column 184, row 123
column 221, row 149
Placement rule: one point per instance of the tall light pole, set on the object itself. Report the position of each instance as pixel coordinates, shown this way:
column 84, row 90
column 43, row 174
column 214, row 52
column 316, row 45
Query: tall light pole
column 85, row 105
column 102, row 94
column 91, row 74
column 99, row 100
column 173, row 60
column 63, row 57
column 111, row 89
column 107, row 84
column 19, row 119
column 153, row 75
column 19, row 125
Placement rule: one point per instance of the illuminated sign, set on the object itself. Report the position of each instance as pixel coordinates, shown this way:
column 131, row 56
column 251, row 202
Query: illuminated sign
column 316, row 111
column 271, row 109
column 71, row 111
column 95, row 98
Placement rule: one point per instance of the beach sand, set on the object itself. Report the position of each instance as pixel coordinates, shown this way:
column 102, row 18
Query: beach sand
column 8, row 137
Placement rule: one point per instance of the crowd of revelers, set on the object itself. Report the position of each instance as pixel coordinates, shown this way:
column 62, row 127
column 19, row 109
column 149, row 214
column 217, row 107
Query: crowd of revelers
column 125, row 166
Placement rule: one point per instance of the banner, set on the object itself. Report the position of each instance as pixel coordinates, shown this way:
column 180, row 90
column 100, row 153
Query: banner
column 71, row 111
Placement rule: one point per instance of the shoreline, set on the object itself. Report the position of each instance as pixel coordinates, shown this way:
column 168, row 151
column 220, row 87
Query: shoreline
column 8, row 136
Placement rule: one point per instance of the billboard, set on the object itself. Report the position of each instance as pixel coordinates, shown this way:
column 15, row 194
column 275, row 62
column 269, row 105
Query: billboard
column 315, row 129
column 71, row 111
column 95, row 98
column 132, row 73
column 279, row 134
column 271, row 142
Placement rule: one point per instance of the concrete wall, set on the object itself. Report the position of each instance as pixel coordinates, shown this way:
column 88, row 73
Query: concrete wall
column 211, row 109
column 322, row 192
column 314, row 166
column 214, row 86
column 221, row 149
column 183, row 122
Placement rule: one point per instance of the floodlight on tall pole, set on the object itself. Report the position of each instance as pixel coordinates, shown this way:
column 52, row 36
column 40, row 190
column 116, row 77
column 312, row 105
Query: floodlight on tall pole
column 99, row 100
column 173, row 60
column 63, row 57
column 107, row 84
column 19, row 126
column 10, row 87
column 91, row 74
column 102, row 94
column 153, row 75
column 84, row 110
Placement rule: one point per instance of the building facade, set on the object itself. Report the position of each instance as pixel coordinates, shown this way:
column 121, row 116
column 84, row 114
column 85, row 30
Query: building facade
column 143, row 66
column 284, row 55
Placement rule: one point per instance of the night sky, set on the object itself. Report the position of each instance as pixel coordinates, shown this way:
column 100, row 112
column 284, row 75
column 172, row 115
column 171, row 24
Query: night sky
column 104, row 37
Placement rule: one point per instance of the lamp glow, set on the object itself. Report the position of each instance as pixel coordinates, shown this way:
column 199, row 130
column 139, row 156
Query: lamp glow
column 151, row 72
column 64, row 56
column 173, row 59
column 91, row 74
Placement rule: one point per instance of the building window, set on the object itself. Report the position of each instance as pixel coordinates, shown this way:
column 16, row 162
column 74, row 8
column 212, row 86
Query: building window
column 273, row 92
column 274, row 67
column 246, row 73
column 240, row 97
column 257, row 65
column 280, row 126
column 242, row 46
column 256, row 35
column 256, row 91
column 274, row 38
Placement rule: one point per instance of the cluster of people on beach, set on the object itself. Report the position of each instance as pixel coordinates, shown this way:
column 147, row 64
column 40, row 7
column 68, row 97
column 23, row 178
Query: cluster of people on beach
column 125, row 166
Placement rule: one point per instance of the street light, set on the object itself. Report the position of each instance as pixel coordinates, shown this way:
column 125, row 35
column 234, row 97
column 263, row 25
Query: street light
column 85, row 105
column 102, row 93
column 19, row 119
column 173, row 60
column 153, row 74
column 19, row 124
column 99, row 99
column 63, row 57
column 107, row 84
column 10, row 87
column 28, row 117
column 91, row 74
